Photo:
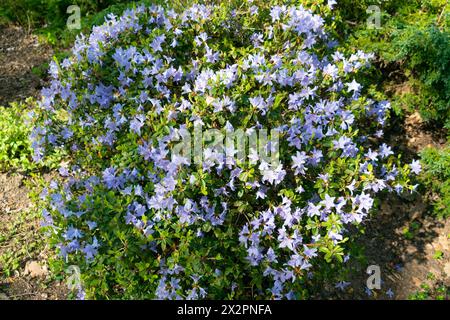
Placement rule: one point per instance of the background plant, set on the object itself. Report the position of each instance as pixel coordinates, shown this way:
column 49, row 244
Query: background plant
column 436, row 179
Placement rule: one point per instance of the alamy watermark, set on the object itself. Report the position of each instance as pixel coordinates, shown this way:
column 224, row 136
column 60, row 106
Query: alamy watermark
column 74, row 278
column 374, row 280
column 227, row 146
column 374, row 19
column 74, row 20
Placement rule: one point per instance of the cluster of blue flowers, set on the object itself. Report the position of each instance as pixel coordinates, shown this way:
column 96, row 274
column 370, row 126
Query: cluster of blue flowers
column 141, row 82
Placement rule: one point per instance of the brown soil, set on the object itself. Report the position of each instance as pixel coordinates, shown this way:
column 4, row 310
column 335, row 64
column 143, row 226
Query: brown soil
column 20, row 52
column 26, row 243
column 406, row 263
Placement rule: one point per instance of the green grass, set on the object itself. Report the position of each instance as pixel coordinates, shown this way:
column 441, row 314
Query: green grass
column 15, row 146
column 436, row 291
column 20, row 241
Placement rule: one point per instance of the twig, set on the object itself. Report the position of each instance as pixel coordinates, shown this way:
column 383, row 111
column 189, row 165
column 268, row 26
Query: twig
column 29, row 23
column 442, row 13
column 24, row 294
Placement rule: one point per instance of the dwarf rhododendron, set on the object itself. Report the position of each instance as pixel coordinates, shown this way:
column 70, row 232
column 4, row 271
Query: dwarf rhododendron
column 222, row 220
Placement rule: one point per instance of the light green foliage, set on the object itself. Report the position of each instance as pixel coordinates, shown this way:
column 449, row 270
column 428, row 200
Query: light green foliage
column 15, row 146
column 436, row 291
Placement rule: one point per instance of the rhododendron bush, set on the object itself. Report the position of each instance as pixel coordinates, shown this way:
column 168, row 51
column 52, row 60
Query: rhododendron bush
column 150, row 204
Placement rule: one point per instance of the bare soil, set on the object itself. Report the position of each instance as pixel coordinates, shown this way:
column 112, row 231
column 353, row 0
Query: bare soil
column 25, row 244
column 20, row 52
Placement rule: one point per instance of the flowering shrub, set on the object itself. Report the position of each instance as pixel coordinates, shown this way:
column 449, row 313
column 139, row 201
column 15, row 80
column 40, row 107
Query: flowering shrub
column 144, row 219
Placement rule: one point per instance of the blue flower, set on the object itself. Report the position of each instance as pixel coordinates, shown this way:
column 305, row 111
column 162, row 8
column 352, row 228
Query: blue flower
column 90, row 250
column 342, row 285
column 109, row 178
column 299, row 161
column 385, row 151
column 157, row 42
column 353, row 86
column 390, row 293
column 416, row 167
